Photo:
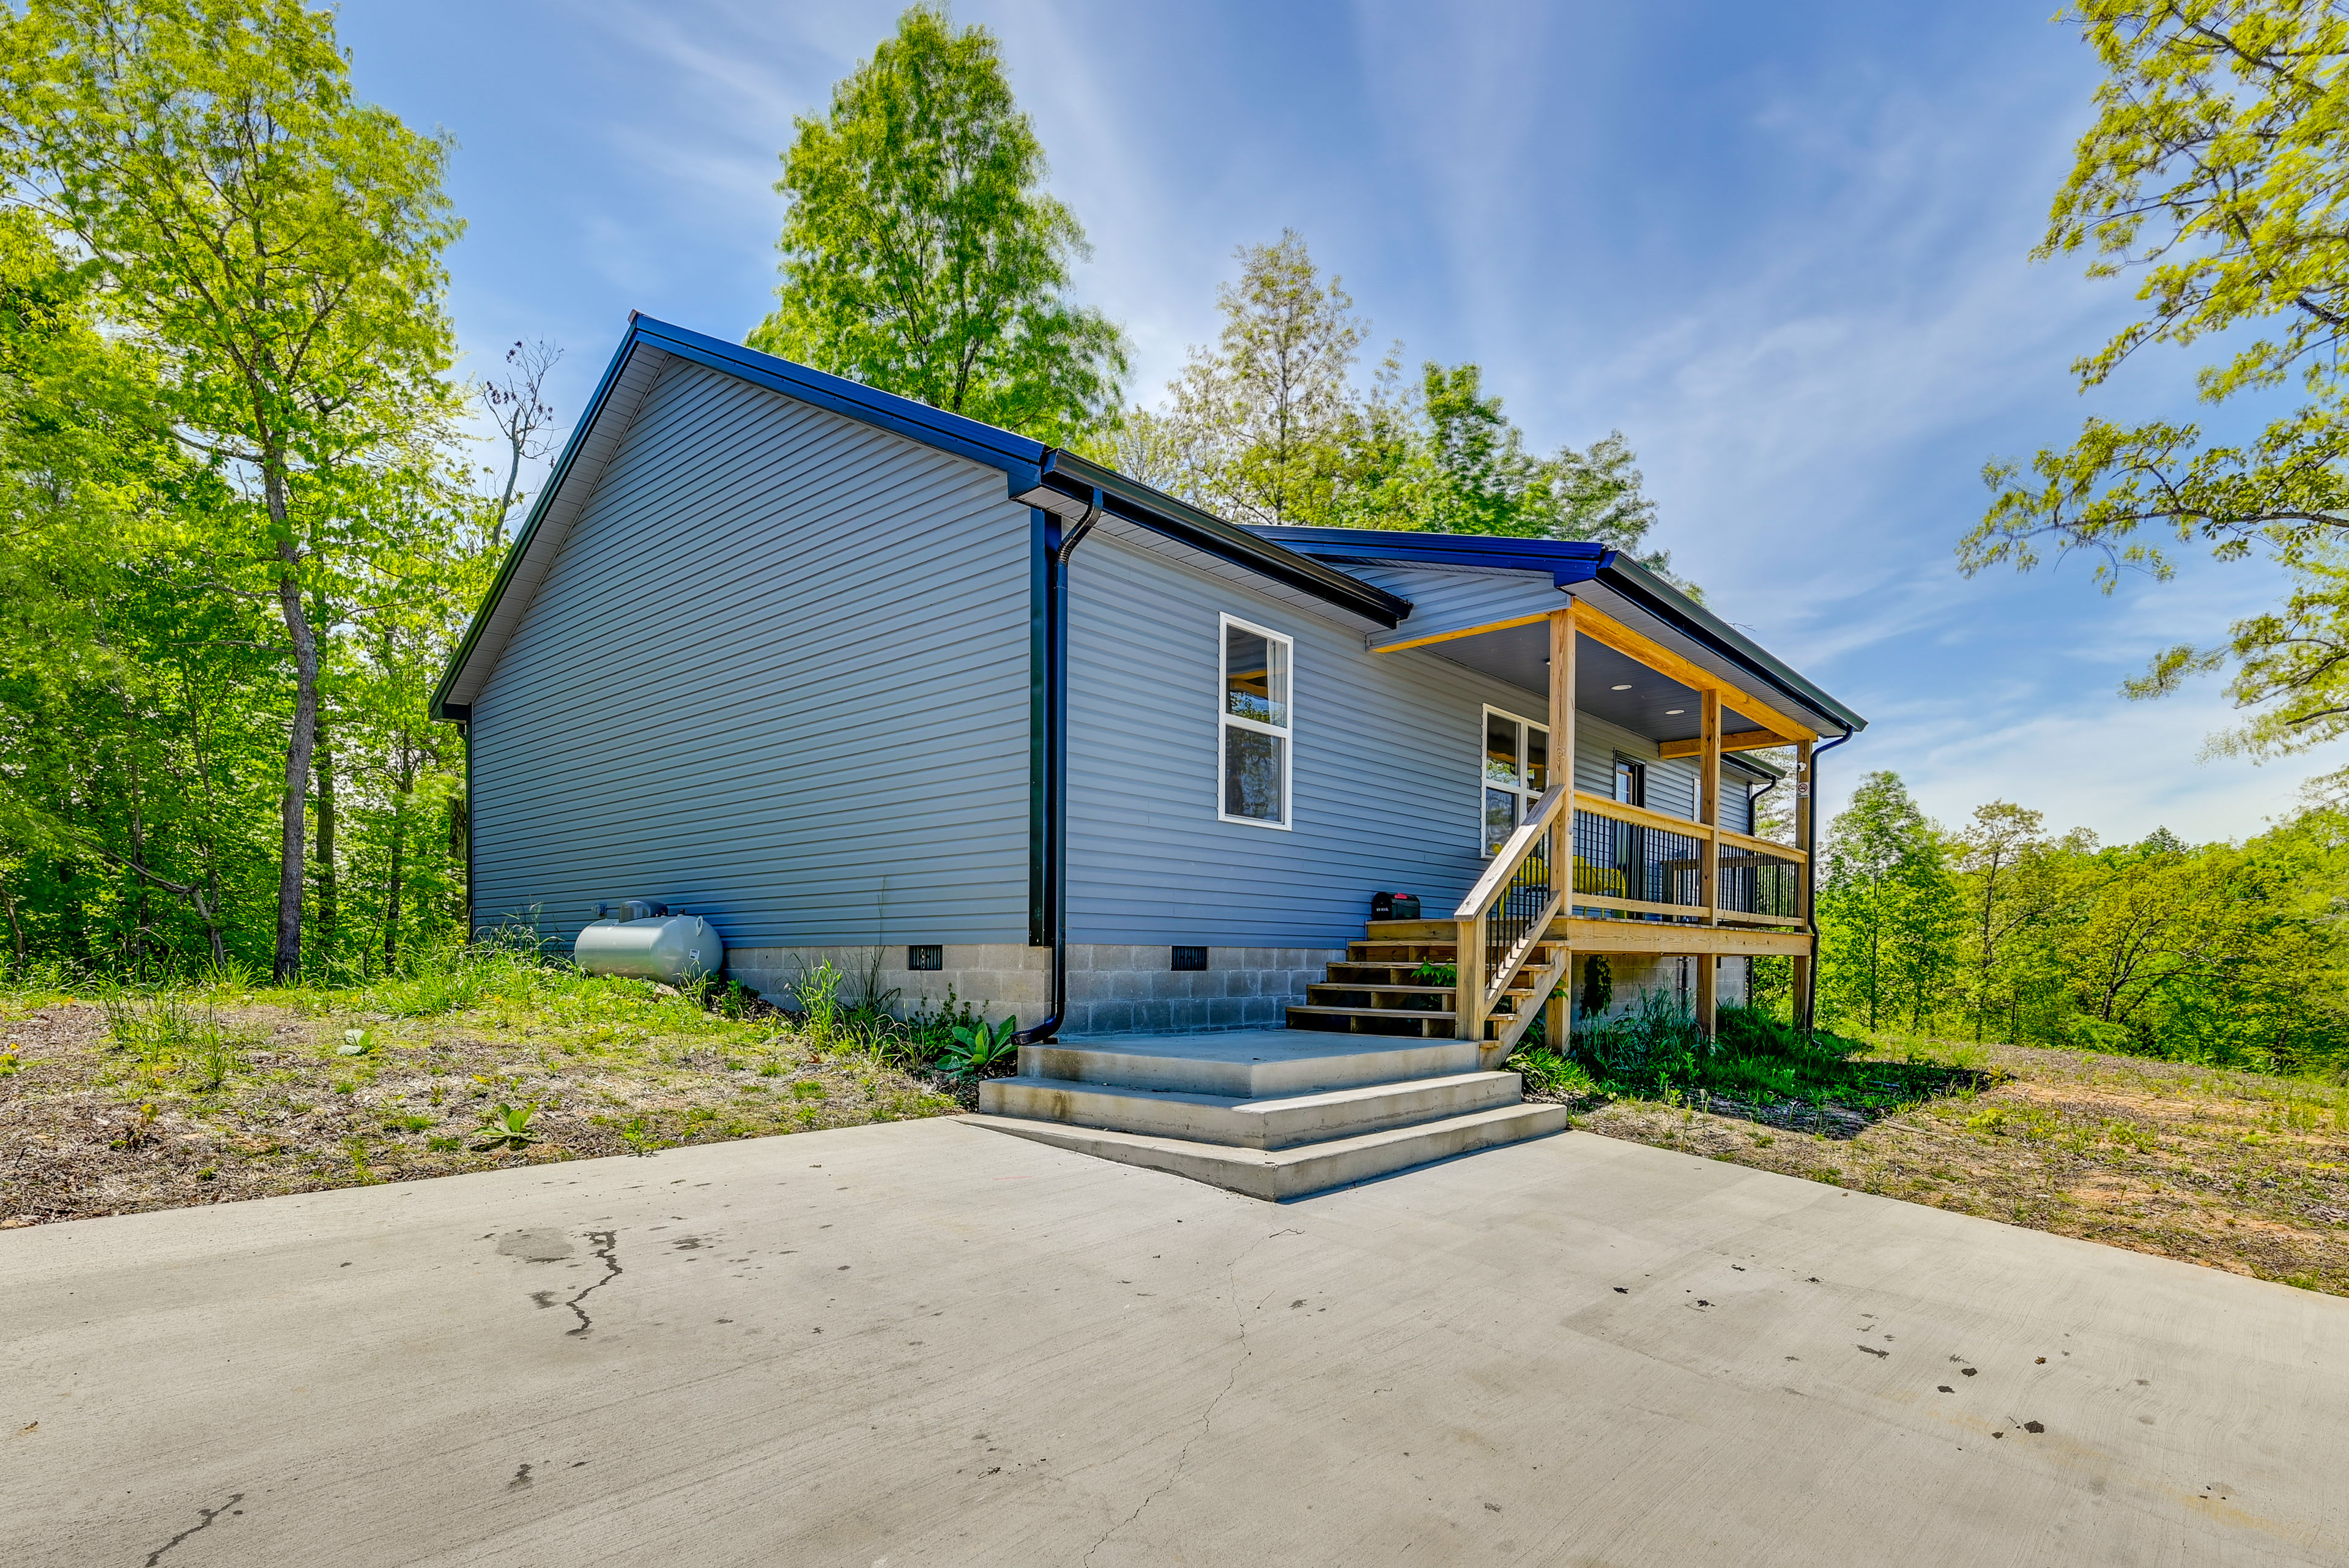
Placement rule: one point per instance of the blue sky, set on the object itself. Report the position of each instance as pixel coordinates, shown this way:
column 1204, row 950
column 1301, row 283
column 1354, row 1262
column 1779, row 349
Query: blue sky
column 1783, row 247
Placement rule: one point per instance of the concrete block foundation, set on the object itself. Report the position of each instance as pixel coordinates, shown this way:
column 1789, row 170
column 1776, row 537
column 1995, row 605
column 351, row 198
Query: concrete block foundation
column 1113, row 988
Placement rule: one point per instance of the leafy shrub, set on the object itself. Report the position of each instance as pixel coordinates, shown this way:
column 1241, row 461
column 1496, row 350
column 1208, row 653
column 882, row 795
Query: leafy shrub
column 979, row 1048
column 1548, row 1072
column 1657, row 1041
column 1598, row 986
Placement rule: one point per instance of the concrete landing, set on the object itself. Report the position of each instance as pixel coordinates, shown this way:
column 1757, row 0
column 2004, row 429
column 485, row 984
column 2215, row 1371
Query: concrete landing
column 930, row 1347
column 1273, row 1113
column 1276, row 1175
column 1250, row 1064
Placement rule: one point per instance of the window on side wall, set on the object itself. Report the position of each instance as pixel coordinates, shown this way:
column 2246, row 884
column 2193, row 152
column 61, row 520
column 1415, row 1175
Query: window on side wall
column 1516, row 771
column 1255, row 726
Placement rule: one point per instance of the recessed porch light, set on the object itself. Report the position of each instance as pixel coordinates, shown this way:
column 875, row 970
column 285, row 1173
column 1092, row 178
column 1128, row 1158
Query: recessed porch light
column 1674, row 713
column 1619, row 687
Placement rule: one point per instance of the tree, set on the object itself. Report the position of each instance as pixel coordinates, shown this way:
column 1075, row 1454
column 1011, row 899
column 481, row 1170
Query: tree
column 1990, row 856
column 1888, row 910
column 1263, row 412
column 517, row 405
column 276, row 244
column 921, row 252
column 1268, row 425
column 2215, row 169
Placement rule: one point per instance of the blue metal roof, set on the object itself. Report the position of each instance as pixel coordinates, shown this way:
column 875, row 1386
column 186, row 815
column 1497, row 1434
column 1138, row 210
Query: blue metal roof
column 1030, row 468
column 1569, row 562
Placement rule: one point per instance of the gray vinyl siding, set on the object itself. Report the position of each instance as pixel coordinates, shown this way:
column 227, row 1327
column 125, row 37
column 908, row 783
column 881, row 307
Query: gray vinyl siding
column 1385, row 791
column 1673, row 781
column 1456, row 595
column 778, row 676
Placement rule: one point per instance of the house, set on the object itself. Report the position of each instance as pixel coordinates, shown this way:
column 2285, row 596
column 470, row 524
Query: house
column 854, row 679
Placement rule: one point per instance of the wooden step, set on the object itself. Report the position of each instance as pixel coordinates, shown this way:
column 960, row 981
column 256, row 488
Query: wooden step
column 1400, row 953
column 1374, row 974
column 1410, row 1022
column 1348, row 994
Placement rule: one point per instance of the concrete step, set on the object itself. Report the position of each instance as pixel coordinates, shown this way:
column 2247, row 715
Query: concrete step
column 1223, row 1119
column 1244, row 1064
column 1277, row 1174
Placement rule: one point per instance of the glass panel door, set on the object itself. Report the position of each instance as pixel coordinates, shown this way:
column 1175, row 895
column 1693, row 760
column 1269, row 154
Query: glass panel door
column 1516, row 771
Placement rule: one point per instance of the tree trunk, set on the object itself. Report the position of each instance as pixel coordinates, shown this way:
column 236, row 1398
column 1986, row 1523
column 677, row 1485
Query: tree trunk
column 329, row 903
column 286, row 966
column 398, row 867
column 141, row 915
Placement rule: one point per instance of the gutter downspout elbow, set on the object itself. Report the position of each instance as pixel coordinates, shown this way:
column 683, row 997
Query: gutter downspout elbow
column 1056, row 765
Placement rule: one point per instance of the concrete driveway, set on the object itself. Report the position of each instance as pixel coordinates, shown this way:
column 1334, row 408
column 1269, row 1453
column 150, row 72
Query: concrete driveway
column 927, row 1344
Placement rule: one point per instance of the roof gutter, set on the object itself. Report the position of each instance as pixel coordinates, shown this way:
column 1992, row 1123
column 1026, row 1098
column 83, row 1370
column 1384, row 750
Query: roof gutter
column 1692, row 621
column 1075, row 481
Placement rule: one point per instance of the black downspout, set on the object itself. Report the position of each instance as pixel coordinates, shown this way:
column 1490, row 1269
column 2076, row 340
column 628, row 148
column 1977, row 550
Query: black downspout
column 1059, row 545
column 465, row 735
column 1811, row 879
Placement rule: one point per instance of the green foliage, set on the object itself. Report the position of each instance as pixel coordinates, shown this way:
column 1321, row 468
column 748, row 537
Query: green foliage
column 818, row 993
column 508, row 1127
column 244, row 549
column 921, row 252
column 977, row 1048
column 2225, row 953
column 1267, row 425
column 1549, row 1072
column 1887, row 909
column 1436, row 974
column 1598, row 986
column 2215, row 170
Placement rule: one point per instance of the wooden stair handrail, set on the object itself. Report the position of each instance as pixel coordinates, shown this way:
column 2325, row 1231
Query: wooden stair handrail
column 1513, row 851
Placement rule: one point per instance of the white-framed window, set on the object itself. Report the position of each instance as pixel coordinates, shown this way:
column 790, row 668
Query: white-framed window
column 1516, row 771
column 1255, row 725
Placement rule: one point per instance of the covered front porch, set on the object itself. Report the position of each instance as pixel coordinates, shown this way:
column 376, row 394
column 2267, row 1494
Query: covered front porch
column 1586, row 857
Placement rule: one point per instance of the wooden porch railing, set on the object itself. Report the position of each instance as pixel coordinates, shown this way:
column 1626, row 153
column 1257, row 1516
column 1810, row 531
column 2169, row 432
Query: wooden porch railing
column 1506, row 913
column 1634, row 861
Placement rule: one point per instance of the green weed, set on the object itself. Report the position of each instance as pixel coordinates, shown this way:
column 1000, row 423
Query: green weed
column 977, row 1048
column 508, row 1127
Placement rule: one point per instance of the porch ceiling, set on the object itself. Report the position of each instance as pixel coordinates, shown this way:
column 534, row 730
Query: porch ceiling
column 1520, row 656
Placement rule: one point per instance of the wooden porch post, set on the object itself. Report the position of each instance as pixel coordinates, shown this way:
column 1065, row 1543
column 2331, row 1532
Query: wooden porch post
column 1556, row 1023
column 1708, row 812
column 1800, row 996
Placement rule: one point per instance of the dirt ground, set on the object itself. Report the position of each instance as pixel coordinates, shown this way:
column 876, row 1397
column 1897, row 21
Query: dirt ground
column 88, row 1128
column 2232, row 1170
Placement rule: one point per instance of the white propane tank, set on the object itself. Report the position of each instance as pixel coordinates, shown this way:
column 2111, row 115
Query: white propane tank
column 671, row 949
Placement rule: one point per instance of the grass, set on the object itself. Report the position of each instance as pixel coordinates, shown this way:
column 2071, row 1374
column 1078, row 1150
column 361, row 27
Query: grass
column 2235, row 1170
column 115, row 1099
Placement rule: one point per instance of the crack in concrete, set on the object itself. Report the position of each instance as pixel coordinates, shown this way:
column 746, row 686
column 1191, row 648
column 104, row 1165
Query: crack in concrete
column 1207, row 1416
column 209, row 1514
column 607, row 1245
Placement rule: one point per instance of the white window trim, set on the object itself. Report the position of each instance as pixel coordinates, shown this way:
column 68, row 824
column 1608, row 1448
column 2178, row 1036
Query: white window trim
column 1484, row 722
column 1225, row 718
